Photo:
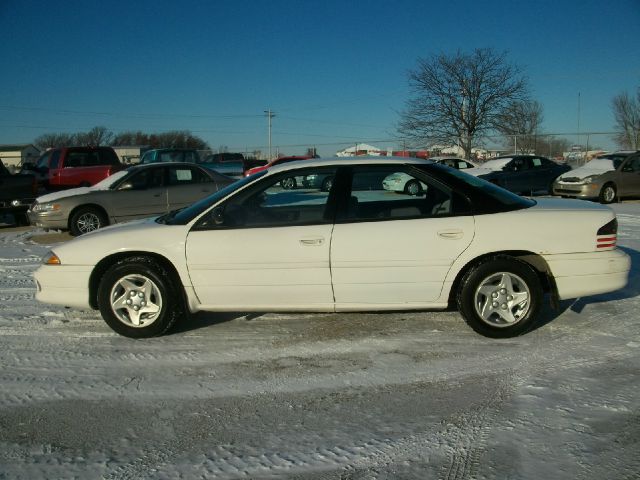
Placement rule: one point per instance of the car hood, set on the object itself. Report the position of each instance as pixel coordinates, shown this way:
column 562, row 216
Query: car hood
column 72, row 192
column 145, row 235
column 583, row 172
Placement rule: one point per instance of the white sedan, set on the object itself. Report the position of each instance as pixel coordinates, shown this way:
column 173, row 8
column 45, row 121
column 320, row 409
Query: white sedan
column 255, row 246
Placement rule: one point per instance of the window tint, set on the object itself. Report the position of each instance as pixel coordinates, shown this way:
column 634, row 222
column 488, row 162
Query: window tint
column 394, row 193
column 147, row 178
column 274, row 205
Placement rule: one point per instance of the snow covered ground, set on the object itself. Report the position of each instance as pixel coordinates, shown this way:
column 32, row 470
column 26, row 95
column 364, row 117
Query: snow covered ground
column 322, row 396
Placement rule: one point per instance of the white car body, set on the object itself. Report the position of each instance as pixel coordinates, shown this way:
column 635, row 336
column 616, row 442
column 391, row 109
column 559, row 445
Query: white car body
column 366, row 265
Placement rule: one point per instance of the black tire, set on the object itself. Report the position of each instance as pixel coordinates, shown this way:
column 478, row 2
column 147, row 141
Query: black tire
column 608, row 193
column 509, row 293
column 413, row 188
column 135, row 284
column 87, row 219
column 327, row 183
column 289, row 183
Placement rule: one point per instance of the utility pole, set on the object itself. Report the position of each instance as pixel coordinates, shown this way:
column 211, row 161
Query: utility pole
column 269, row 115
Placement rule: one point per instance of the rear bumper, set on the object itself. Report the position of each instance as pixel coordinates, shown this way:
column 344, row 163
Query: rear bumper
column 582, row 274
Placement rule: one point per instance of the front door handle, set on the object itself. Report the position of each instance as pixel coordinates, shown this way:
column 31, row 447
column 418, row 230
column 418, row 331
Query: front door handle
column 312, row 242
column 452, row 234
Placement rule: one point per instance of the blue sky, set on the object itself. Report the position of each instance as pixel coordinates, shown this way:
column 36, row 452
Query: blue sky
column 334, row 72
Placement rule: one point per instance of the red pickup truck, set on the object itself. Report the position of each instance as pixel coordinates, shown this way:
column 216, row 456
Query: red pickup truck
column 70, row 167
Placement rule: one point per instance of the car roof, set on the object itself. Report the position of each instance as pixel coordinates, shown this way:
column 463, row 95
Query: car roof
column 141, row 166
column 339, row 161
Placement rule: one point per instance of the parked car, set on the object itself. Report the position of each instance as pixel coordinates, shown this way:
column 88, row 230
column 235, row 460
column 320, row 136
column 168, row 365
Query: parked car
column 137, row 192
column 454, row 162
column 522, row 174
column 69, row 167
column 288, row 183
column 17, row 193
column 231, row 164
column 161, row 155
column 606, row 178
column 255, row 246
column 403, row 183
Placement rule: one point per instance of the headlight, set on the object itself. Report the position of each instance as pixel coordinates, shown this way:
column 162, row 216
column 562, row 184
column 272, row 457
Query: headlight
column 46, row 207
column 51, row 259
column 591, row 179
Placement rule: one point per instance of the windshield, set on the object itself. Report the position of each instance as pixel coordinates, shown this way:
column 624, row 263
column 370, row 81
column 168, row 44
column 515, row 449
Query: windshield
column 184, row 216
column 110, row 180
column 603, row 164
column 496, row 164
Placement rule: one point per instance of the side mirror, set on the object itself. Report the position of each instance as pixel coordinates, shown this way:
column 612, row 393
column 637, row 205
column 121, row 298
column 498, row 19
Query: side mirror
column 126, row 186
column 28, row 166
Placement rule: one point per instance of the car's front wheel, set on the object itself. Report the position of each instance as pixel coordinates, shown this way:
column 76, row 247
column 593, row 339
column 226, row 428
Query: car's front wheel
column 87, row 219
column 500, row 298
column 138, row 298
column 608, row 193
column 288, row 183
column 413, row 188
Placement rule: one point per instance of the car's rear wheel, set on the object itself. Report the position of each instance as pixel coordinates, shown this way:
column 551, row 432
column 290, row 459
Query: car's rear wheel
column 608, row 193
column 87, row 219
column 500, row 298
column 138, row 298
column 288, row 183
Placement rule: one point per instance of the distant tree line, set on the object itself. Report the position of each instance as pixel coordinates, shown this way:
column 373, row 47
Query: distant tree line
column 101, row 136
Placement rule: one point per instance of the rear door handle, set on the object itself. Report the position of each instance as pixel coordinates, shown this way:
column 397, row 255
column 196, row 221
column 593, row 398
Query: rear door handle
column 452, row 234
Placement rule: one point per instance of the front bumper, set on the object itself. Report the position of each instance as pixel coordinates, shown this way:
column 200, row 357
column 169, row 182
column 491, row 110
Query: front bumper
column 52, row 220
column 582, row 274
column 577, row 190
column 66, row 285
column 19, row 205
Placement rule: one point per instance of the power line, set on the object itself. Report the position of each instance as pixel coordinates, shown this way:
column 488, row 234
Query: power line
column 124, row 114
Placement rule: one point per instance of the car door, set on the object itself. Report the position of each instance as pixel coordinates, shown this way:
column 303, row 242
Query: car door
column 519, row 176
column 266, row 248
column 629, row 177
column 143, row 194
column 393, row 249
column 187, row 184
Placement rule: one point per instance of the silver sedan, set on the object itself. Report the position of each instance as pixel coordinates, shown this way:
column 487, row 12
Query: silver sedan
column 138, row 192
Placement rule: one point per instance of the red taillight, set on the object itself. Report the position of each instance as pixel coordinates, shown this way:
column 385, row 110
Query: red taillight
column 607, row 235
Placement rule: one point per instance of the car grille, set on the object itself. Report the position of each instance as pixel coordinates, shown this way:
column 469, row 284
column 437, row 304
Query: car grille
column 571, row 179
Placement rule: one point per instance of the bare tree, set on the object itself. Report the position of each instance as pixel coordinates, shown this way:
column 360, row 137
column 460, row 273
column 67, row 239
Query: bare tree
column 459, row 98
column 520, row 122
column 95, row 137
column 626, row 111
column 54, row 140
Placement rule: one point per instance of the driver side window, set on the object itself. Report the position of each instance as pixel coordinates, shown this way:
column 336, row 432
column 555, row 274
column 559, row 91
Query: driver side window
column 283, row 200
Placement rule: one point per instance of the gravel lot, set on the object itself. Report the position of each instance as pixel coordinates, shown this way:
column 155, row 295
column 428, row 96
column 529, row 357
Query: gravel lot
column 317, row 396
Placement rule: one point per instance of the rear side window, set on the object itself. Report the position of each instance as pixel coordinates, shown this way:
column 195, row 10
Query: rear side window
column 186, row 175
column 396, row 193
